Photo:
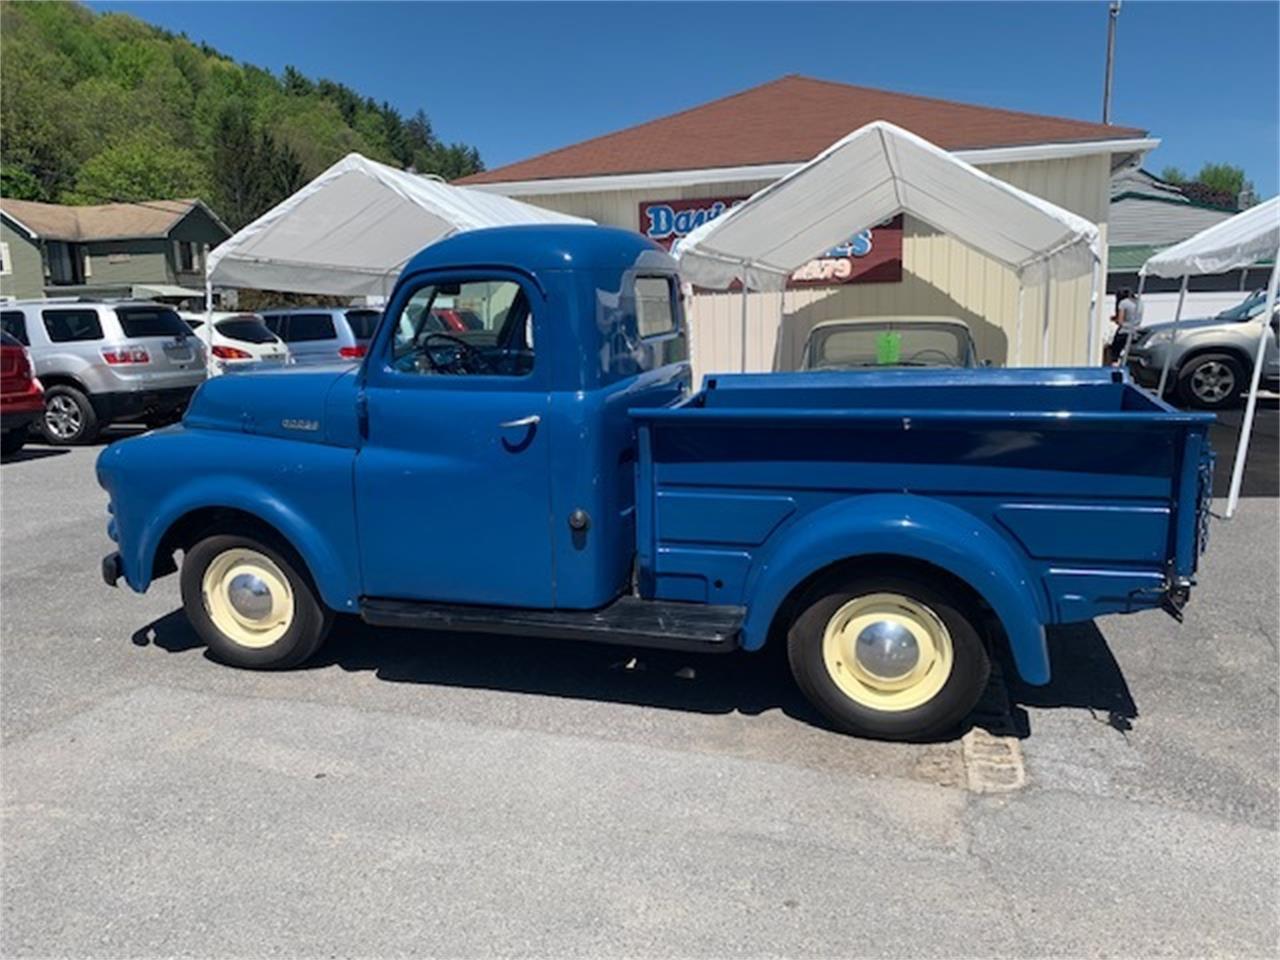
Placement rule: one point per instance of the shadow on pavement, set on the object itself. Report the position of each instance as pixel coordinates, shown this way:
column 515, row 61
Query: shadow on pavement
column 1086, row 676
column 29, row 453
column 749, row 684
column 1262, row 468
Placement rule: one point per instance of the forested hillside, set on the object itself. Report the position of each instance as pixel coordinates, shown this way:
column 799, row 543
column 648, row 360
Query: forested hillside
column 96, row 108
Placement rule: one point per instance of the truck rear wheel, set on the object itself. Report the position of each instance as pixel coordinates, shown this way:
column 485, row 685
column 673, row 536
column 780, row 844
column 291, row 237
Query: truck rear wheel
column 251, row 601
column 888, row 657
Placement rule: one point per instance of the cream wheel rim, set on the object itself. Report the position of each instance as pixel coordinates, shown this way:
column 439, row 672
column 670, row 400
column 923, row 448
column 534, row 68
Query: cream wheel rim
column 248, row 597
column 887, row 651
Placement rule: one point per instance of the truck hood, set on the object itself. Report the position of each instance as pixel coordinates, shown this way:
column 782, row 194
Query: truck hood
column 1191, row 324
column 311, row 404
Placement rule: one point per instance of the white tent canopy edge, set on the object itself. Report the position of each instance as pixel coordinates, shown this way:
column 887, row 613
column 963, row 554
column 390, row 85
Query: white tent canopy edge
column 1240, row 241
column 350, row 230
column 874, row 173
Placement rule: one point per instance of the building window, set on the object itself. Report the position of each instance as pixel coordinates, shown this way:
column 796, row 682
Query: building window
column 6, row 265
column 186, row 256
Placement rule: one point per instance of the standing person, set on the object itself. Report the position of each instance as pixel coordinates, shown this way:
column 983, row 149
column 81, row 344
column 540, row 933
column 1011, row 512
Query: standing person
column 1127, row 317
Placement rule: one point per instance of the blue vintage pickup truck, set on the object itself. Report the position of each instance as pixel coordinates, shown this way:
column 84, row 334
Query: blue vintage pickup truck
column 520, row 452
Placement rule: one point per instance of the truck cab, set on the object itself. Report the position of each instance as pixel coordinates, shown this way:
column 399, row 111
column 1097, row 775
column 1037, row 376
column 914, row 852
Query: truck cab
column 544, row 469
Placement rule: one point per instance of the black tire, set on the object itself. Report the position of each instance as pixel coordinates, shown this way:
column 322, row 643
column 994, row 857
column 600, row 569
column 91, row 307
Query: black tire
column 60, row 425
column 1212, row 381
column 11, row 441
column 943, row 713
column 311, row 618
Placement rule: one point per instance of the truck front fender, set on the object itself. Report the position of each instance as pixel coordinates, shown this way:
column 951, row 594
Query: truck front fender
column 914, row 527
column 336, row 581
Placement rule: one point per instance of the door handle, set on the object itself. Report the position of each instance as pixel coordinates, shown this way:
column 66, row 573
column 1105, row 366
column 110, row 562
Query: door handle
column 528, row 421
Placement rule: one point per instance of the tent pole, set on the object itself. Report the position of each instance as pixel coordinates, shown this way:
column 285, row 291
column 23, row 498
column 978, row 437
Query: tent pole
column 1173, row 338
column 744, row 321
column 207, row 333
column 1246, row 426
column 1017, row 330
column 1095, row 320
column 1044, row 345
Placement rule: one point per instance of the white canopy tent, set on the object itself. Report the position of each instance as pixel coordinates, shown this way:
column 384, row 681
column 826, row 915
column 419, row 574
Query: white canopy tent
column 350, row 230
column 1243, row 240
column 875, row 173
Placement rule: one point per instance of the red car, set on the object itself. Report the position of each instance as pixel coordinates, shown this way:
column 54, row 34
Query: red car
column 21, row 396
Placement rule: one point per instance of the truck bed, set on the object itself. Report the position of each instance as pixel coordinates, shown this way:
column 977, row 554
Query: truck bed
column 1098, row 486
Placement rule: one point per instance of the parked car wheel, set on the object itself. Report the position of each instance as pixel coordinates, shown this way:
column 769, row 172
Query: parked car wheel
column 1211, row 381
column 69, row 417
column 11, row 441
column 887, row 657
column 252, row 602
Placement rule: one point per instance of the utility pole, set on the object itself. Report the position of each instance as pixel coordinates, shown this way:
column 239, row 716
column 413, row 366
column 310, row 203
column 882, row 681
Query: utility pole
column 1113, row 16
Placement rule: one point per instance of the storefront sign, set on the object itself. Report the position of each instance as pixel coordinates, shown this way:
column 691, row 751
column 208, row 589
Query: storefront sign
column 872, row 256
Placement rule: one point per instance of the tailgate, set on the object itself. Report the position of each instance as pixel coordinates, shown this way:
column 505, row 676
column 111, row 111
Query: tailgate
column 1194, row 501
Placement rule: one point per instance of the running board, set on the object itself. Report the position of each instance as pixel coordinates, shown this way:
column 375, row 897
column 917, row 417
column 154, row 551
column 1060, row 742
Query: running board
column 628, row 621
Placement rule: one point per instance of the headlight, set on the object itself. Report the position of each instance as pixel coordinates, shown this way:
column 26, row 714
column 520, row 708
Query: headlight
column 1157, row 338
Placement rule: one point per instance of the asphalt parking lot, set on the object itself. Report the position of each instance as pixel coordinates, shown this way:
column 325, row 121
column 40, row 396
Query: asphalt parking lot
column 415, row 794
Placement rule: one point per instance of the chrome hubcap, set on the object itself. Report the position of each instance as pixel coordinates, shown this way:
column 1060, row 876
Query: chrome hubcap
column 62, row 417
column 887, row 650
column 250, row 597
column 1213, row 381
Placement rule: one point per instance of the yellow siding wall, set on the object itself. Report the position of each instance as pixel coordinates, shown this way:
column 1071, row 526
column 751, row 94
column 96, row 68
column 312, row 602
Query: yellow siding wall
column 940, row 277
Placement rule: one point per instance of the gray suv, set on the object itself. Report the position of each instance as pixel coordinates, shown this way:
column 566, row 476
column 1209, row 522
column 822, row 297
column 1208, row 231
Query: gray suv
column 323, row 334
column 1212, row 358
column 106, row 362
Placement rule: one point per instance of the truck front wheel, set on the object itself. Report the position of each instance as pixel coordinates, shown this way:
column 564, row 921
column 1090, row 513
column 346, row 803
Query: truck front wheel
column 887, row 657
column 251, row 601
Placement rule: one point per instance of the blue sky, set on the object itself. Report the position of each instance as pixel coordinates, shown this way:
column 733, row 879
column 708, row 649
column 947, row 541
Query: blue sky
column 518, row 79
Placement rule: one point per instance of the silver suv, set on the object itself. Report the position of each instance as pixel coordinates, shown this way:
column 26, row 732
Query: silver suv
column 1212, row 358
column 323, row 334
column 106, row 362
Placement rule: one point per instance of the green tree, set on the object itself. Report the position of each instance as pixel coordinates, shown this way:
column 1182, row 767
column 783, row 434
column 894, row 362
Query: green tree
column 1222, row 178
column 99, row 106
column 139, row 169
column 1173, row 175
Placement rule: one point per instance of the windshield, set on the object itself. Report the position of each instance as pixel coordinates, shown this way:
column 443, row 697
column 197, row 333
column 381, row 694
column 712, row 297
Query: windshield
column 888, row 345
column 151, row 322
column 1249, row 309
column 246, row 329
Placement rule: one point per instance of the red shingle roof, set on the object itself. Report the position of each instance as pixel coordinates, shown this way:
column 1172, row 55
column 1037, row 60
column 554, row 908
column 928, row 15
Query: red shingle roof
column 791, row 120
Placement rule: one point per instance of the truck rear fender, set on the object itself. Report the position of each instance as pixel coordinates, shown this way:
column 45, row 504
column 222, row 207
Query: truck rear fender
column 227, row 492
column 913, row 527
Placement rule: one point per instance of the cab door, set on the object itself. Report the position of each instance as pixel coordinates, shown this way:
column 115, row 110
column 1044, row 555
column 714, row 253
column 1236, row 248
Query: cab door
column 453, row 479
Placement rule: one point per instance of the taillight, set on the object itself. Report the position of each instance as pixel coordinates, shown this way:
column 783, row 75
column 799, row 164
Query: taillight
column 118, row 355
column 351, row 353
column 231, row 353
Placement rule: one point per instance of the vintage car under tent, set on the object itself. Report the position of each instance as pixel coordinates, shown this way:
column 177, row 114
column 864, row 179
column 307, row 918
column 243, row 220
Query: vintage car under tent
column 350, row 230
column 1243, row 240
column 869, row 176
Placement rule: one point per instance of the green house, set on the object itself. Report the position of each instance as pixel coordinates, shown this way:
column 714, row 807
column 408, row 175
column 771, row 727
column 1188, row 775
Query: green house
column 154, row 249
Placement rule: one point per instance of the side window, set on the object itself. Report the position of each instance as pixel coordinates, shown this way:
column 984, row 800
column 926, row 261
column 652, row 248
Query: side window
column 476, row 328
column 655, row 306
column 67, row 326
column 14, row 323
column 305, row 327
